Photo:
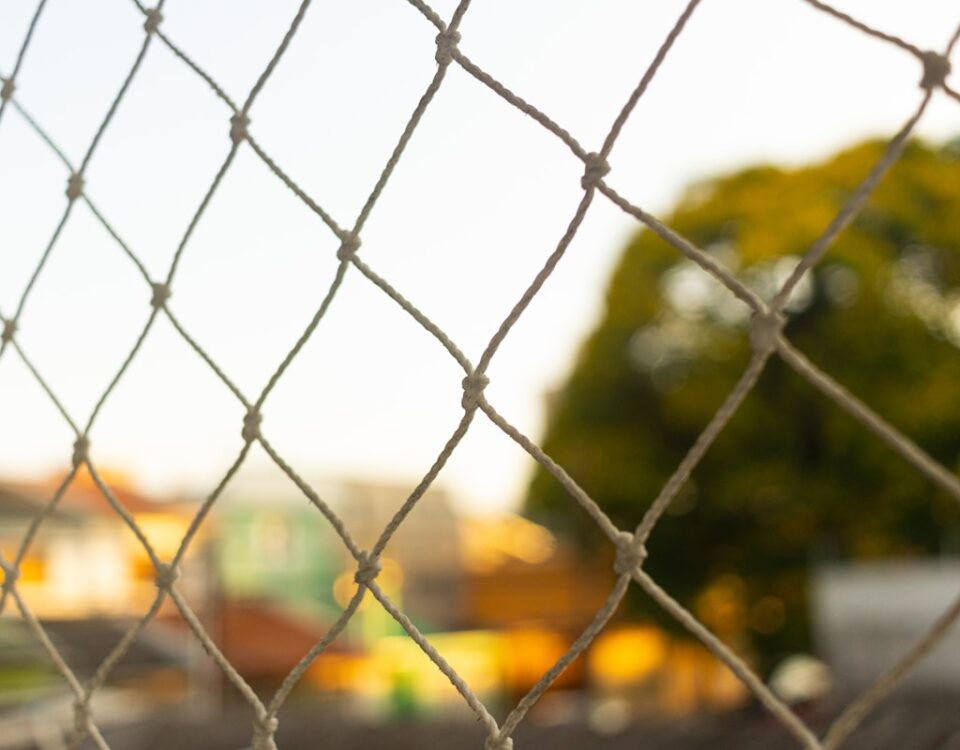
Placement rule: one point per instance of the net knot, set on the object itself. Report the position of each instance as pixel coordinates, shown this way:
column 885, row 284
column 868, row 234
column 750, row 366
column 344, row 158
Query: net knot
column 154, row 17
column 81, row 448
column 81, row 716
column 167, row 575
column 263, row 731
column 447, row 46
column 75, row 186
column 7, row 89
column 251, row 425
column 473, row 386
column 630, row 553
column 496, row 742
column 238, row 127
column 161, row 293
column 348, row 246
column 10, row 578
column 9, row 329
column 595, row 169
column 765, row 330
column 368, row 568
column 936, row 68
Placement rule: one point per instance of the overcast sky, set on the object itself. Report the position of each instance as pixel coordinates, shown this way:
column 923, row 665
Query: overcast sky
column 479, row 200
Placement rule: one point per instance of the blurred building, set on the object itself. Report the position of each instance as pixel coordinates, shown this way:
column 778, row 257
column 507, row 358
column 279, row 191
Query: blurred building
column 88, row 580
column 517, row 572
column 273, row 545
column 426, row 547
column 499, row 596
column 283, row 569
column 85, row 561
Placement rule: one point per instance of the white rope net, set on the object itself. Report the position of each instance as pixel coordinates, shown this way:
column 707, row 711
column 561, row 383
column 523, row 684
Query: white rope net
column 767, row 337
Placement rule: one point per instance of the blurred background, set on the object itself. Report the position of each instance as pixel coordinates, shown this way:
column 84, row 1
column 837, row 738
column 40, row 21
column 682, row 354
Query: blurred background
column 801, row 540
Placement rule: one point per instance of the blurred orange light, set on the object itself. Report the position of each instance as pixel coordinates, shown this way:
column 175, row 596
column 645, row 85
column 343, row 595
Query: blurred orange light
column 530, row 653
column 627, row 655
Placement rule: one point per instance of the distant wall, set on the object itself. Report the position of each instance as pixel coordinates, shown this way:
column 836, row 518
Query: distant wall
column 866, row 616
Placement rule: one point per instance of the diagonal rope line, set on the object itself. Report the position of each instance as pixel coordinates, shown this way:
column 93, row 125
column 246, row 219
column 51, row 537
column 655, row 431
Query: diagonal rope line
column 857, row 711
column 9, row 83
column 702, row 444
column 853, row 205
column 42, row 133
column 524, row 106
column 210, row 647
column 115, row 104
column 580, row 645
column 707, row 262
column 902, row 445
column 58, row 404
column 478, row 708
column 861, row 26
column 747, row 676
column 300, row 669
column 641, row 88
column 557, row 471
column 83, row 721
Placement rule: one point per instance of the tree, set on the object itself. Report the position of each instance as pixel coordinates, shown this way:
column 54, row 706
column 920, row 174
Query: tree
column 792, row 479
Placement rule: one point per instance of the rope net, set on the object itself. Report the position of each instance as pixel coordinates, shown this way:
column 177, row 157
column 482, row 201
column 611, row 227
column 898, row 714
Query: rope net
column 768, row 338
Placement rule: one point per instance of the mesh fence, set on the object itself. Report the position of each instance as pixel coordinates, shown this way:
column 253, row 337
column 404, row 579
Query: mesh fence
column 767, row 338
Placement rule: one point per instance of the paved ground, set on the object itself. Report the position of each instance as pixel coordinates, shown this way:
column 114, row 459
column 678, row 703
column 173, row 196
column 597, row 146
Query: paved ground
column 928, row 724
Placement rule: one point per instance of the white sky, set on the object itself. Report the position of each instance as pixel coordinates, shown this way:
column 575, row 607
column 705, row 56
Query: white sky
column 479, row 200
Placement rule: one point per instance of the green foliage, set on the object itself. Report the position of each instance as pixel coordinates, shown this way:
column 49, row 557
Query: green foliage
column 793, row 479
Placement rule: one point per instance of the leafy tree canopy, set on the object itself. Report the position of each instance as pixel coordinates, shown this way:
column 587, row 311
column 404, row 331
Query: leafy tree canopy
column 793, row 479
